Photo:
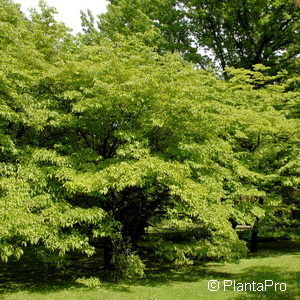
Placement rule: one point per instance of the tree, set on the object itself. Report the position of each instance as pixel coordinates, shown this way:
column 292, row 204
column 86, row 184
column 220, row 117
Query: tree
column 83, row 147
column 236, row 33
column 248, row 33
column 100, row 143
column 157, row 23
column 267, row 148
column 127, row 125
column 90, row 34
column 50, row 36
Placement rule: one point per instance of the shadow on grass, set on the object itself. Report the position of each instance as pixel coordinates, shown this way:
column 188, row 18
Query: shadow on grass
column 28, row 275
column 161, row 275
column 276, row 248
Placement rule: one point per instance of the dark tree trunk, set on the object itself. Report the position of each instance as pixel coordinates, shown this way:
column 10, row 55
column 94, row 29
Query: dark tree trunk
column 233, row 222
column 135, row 208
column 254, row 237
column 109, row 254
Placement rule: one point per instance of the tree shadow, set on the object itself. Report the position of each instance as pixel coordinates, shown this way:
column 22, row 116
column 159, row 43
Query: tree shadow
column 273, row 248
column 30, row 276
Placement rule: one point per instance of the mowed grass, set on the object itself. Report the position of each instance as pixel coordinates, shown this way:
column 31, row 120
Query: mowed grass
column 276, row 261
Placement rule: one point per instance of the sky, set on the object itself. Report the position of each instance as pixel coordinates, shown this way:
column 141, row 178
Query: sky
column 68, row 10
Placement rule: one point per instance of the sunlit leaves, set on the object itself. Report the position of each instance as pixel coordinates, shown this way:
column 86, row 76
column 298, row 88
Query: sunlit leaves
column 108, row 140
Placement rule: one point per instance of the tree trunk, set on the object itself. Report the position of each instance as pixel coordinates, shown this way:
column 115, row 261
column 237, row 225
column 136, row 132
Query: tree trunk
column 254, row 236
column 109, row 254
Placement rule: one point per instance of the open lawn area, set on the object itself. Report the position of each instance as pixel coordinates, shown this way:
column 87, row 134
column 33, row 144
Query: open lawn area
column 277, row 261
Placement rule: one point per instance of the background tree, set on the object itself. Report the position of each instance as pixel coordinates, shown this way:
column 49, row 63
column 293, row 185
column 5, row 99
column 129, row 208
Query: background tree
column 50, row 36
column 159, row 23
column 90, row 33
column 235, row 33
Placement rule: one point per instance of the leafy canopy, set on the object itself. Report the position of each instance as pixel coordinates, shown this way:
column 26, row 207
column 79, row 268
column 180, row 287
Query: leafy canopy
column 107, row 142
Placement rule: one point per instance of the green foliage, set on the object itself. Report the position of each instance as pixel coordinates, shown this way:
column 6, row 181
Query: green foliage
column 129, row 266
column 91, row 282
column 49, row 35
column 99, row 143
column 90, row 33
column 128, row 18
column 230, row 33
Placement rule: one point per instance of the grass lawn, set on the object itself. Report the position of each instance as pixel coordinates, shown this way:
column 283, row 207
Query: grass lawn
column 277, row 261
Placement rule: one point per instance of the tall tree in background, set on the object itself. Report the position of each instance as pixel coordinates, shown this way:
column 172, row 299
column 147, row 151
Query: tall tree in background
column 158, row 23
column 244, row 33
column 235, row 33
